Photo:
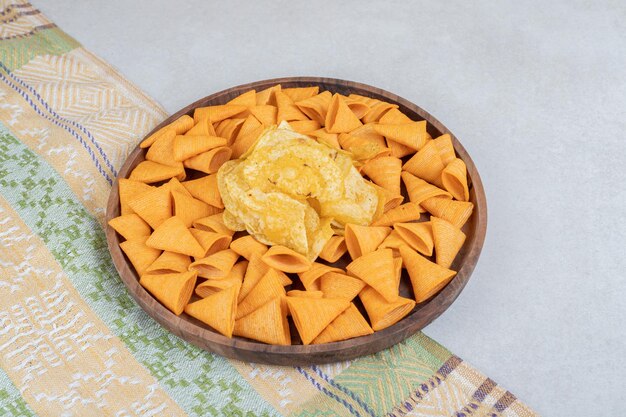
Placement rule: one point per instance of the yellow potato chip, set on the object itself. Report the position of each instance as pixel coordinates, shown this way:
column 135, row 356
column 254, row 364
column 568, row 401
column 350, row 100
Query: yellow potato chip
column 243, row 143
column 305, row 126
column 210, row 161
column 172, row 235
column 419, row 236
column 162, row 151
column 217, row 113
column 211, row 242
column 411, row 134
column 140, row 255
column 268, row 288
column 427, row 278
column 267, row 96
column 377, row 270
column 454, row 179
column 130, row 226
column 426, row 164
column 394, row 116
column 448, row 241
column 205, row 189
column 149, row 172
column 456, row 212
column 399, row 150
column 301, row 93
column 340, row 118
column 247, row 99
column 445, row 148
column 362, row 240
column 169, row 263
column 128, row 190
column 419, row 190
column 335, row 285
column 247, row 245
column 347, row 325
column 153, row 206
column 184, row 147
column 311, row 315
column 382, row 313
column 234, row 278
column 385, row 171
column 403, row 213
column 172, row 290
column 267, row 324
column 229, row 129
column 286, row 260
column 307, row 294
column 164, row 131
column 387, row 200
column 189, row 209
column 376, row 111
column 217, row 310
column 214, row 223
column 287, row 110
column 334, row 249
column 265, row 114
column 329, row 139
column 310, row 277
column 316, row 107
column 215, row 266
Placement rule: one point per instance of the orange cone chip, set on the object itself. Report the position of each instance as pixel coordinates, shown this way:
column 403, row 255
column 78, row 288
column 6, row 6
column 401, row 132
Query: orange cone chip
column 249, row 125
column 335, row 285
column 371, row 102
column 203, row 128
column 376, row 111
column 419, row 236
column 247, row 245
column 305, row 126
column 411, row 134
column 243, row 143
column 329, row 139
column 265, row 114
column 172, row 235
column 316, row 107
column 377, row 270
column 311, row 315
column 387, row 199
column 268, row 288
column 456, row 212
column 184, row 147
column 140, row 255
column 130, row 226
column 246, row 99
column 149, row 172
column 229, row 129
column 454, row 179
column 175, row 185
column 445, row 148
column 172, row 290
column 339, row 117
column 217, row 310
column 211, row 242
column 217, row 113
column 426, row 164
column 310, row 277
column 427, row 278
column 399, row 150
column 162, row 151
column 182, row 124
column 214, row 223
column 164, row 131
column 382, row 313
column 393, row 241
column 287, row 110
column 189, row 209
column 403, row 213
column 267, row 324
column 448, row 241
column 205, row 189
column 385, row 171
column 306, row 294
column 359, row 108
column 301, row 93
column 419, row 190
column 209, row 161
column 153, row 206
column 267, row 96
column 347, row 325
column 397, row 264
column 363, row 148
column 234, row 277
column 362, row 240
column 128, row 190
column 393, row 117
column 255, row 271
column 334, row 249
column 215, row 266
column 169, row 263
column 286, row 260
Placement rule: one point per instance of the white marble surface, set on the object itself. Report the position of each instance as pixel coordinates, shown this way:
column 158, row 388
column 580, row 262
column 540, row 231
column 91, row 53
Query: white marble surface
column 536, row 91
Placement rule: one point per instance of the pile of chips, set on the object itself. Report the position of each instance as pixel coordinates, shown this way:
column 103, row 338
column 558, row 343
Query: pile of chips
column 172, row 221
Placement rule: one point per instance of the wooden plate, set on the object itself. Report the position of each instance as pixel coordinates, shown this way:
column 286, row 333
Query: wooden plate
column 203, row 336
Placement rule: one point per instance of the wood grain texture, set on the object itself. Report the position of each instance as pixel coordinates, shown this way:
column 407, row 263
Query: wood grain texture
column 204, row 337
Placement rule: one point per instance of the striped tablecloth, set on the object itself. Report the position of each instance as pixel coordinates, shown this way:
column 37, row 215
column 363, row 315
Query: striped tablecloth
column 73, row 342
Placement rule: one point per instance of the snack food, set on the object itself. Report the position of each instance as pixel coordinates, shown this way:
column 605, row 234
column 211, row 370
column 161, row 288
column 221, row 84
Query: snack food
column 291, row 202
